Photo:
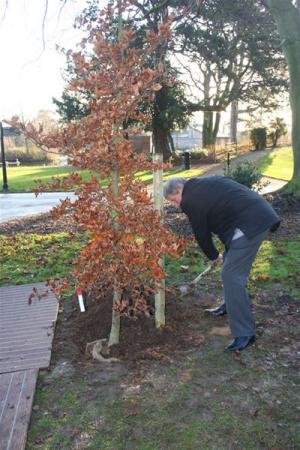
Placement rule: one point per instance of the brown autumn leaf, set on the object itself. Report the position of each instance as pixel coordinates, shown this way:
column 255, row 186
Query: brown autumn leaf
column 262, row 278
column 156, row 87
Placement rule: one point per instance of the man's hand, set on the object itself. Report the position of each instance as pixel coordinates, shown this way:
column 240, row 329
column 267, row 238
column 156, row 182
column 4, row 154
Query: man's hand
column 218, row 261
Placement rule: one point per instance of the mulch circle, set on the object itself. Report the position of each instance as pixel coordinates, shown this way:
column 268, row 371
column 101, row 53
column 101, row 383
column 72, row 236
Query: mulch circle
column 140, row 340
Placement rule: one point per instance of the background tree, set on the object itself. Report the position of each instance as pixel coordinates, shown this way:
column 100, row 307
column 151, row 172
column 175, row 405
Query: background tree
column 277, row 129
column 125, row 235
column 46, row 119
column 170, row 108
column 287, row 17
column 235, row 55
column 70, row 106
column 233, row 46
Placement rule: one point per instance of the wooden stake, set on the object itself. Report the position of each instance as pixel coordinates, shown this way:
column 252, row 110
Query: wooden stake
column 160, row 302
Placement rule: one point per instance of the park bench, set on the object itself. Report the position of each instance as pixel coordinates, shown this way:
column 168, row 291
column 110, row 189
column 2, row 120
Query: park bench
column 12, row 163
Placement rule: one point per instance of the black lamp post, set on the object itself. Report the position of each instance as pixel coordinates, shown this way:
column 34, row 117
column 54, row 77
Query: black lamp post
column 4, row 173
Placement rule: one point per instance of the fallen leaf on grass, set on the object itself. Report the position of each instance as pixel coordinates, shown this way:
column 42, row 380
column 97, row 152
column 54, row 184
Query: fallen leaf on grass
column 132, row 414
column 262, row 278
column 281, row 251
column 185, row 376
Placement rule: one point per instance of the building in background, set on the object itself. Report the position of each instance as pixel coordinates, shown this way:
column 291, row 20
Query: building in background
column 191, row 137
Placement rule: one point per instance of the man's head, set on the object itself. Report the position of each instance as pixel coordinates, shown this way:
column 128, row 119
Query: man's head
column 173, row 190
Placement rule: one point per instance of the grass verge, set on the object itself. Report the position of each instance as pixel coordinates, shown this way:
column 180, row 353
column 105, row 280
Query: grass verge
column 27, row 258
column 278, row 164
column 32, row 257
column 21, row 179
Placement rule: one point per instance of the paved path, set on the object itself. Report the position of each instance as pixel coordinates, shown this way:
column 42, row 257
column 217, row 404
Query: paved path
column 26, row 335
column 13, row 206
column 254, row 156
column 271, row 184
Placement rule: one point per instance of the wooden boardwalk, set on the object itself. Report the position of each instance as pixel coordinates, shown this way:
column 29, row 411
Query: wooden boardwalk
column 16, row 397
column 26, row 334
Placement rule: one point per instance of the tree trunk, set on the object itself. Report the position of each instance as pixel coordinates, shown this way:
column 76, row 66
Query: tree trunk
column 207, row 115
column 171, row 142
column 211, row 124
column 287, row 17
column 216, row 127
column 160, row 131
column 161, row 142
column 160, row 303
column 233, row 121
column 114, row 335
column 207, row 129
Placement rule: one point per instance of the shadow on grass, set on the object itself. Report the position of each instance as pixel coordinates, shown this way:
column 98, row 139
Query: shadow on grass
column 265, row 163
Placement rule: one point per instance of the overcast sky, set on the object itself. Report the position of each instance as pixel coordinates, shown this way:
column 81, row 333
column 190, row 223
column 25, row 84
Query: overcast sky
column 29, row 75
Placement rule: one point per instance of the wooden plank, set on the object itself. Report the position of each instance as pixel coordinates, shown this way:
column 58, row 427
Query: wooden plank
column 5, row 381
column 26, row 330
column 19, row 314
column 21, row 347
column 9, row 407
column 25, row 326
column 25, row 365
column 22, row 323
column 19, row 310
column 7, row 354
column 23, row 341
column 16, row 396
column 24, row 349
column 26, row 334
column 22, row 308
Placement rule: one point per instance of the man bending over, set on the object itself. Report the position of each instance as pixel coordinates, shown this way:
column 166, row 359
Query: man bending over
column 241, row 219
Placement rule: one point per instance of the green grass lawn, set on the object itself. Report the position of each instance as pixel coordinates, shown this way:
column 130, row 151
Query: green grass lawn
column 27, row 258
column 221, row 402
column 33, row 257
column 21, row 179
column 278, row 164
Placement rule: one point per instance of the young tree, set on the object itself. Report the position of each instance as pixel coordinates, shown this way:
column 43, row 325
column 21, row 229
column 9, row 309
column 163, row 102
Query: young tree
column 287, row 17
column 126, row 236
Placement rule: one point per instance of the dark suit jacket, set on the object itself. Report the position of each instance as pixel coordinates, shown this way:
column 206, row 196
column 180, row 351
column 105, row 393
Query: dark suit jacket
column 219, row 205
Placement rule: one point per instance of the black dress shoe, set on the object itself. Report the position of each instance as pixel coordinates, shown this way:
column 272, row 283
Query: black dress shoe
column 240, row 343
column 217, row 312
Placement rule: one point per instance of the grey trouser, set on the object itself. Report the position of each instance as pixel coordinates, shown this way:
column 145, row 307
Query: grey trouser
column 235, row 273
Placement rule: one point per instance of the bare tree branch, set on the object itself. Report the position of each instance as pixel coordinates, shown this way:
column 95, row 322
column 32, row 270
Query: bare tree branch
column 44, row 24
column 64, row 2
column 4, row 12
